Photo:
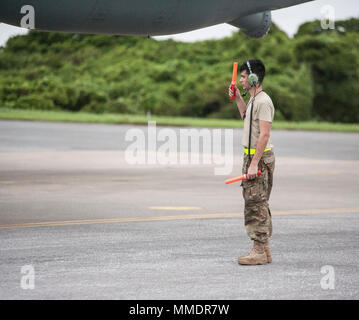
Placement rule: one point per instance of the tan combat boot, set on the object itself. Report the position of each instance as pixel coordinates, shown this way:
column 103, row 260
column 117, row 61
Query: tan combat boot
column 256, row 256
column 267, row 251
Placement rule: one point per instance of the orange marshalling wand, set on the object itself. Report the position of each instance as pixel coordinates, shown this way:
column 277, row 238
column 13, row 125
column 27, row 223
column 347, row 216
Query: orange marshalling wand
column 234, row 80
column 244, row 177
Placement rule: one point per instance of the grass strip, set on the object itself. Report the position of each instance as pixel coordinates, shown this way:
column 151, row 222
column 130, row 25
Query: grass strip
column 111, row 118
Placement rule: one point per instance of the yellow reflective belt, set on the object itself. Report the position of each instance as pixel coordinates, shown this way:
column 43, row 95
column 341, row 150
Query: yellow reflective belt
column 253, row 151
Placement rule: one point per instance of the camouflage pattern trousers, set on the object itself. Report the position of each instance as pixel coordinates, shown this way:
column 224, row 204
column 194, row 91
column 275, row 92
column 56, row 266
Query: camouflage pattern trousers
column 256, row 193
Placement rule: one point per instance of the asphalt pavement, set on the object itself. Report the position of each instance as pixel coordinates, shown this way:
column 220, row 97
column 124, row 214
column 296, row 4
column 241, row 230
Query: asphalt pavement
column 78, row 220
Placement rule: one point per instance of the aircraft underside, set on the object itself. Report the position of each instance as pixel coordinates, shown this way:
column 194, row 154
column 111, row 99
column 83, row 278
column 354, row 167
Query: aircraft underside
column 140, row 17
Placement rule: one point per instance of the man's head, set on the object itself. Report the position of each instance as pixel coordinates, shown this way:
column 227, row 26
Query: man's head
column 257, row 67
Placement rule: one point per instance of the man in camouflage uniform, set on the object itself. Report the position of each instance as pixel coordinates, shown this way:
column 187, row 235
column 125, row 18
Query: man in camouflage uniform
column 258, row 116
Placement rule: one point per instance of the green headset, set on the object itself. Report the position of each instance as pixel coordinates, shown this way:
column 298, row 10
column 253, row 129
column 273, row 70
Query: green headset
column 252, row 78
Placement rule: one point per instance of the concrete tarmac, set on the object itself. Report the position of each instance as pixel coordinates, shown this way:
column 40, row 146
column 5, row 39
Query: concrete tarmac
column 90, row 225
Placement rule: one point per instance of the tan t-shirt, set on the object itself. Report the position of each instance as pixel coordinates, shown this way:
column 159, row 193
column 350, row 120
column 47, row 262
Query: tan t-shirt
column 263, row 109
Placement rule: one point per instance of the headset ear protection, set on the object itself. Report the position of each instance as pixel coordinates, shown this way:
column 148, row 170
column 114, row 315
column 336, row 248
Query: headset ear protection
column 252, row 78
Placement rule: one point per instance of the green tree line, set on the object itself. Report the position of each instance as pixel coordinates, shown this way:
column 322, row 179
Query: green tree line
column 312, row 76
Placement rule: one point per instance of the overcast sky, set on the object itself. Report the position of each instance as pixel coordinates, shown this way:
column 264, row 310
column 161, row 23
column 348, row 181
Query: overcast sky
column 287, row 19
